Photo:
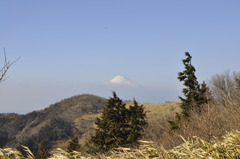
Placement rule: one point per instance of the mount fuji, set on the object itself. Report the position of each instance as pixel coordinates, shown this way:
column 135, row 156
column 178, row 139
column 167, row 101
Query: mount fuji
column 120, row 80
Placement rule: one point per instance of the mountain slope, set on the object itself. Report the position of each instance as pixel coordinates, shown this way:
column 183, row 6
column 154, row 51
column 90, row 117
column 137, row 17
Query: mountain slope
column 46, row 127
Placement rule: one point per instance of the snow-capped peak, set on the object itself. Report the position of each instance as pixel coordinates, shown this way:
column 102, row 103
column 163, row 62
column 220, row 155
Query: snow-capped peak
column 120, row 80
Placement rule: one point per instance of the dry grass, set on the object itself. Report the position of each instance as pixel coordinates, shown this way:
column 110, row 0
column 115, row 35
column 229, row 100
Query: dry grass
column 158, row 115
column 194, row 148
column 221, row 115
column 212, row 123
column 200, row 149
column 156, row 111
column 159, row 110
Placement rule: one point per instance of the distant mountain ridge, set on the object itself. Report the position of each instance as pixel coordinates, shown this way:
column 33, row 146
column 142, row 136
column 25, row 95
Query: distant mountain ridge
column 58, row 122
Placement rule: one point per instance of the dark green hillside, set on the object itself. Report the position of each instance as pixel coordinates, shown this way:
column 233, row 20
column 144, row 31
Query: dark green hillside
column 46, row 127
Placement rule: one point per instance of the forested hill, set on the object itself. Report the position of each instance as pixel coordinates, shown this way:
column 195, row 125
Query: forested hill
column 58, row 122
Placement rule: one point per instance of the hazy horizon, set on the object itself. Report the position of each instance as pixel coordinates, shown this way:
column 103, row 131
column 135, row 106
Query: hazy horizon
column 75, row 47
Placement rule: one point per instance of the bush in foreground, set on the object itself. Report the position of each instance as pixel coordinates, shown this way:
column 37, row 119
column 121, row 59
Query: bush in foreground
column 195, row 148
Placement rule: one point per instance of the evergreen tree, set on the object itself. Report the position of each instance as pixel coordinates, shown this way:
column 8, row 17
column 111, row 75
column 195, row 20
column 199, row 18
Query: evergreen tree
column 73, row 145
column 204, row 94
column 118, row 125
column 193, row 91
column 137, row 122
column 110, row 130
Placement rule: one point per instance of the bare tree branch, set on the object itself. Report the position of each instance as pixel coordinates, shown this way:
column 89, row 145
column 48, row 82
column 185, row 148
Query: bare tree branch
column 7, row 64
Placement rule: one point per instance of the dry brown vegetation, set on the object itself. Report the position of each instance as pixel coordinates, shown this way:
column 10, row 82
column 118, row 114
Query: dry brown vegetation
column 221, row 115
column 228, row 148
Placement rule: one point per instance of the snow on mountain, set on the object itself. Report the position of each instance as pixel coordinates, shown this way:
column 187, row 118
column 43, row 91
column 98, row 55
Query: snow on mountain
column 120, row 80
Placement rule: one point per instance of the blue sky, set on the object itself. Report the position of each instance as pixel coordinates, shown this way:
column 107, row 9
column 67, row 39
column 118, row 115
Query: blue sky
column 74, row 47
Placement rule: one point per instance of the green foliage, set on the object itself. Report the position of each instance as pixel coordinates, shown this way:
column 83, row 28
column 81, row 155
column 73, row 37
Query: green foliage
column 118, row 125
column 111, row 127
column 137, row 121
column 194, row 92
column 73, row 145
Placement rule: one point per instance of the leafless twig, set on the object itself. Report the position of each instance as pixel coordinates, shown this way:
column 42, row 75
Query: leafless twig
column 6, row 66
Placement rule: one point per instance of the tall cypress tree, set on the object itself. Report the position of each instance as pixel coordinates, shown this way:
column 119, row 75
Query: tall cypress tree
column 118, row 125
column 194, row 92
